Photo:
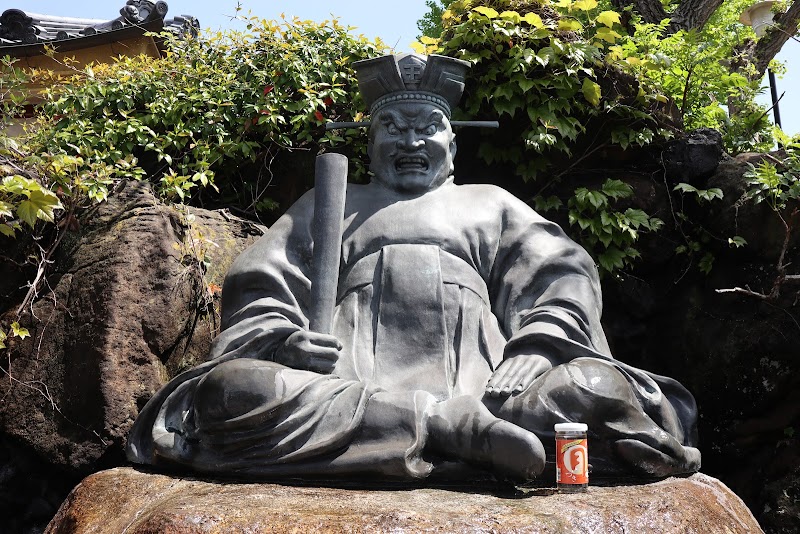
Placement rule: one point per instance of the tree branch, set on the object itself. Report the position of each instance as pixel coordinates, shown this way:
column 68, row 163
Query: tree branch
column 689, row 15
column 768, row 46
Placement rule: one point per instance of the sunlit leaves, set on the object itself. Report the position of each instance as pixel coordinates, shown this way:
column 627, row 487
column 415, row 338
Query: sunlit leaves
column 608, row 18
column 591, row 91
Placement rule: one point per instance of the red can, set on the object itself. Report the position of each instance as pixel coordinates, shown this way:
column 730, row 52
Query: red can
column 572, row 457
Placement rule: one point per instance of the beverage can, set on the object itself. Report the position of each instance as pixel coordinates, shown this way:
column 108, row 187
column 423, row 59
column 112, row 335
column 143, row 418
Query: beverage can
column 572, row 457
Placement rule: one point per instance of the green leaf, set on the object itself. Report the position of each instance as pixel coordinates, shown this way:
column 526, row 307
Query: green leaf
column 608, row 18
column 7, row 230
column 39, row 205
column 612, row 258
column 5, row 209
column 608, row 35
column 636, row 218
column 591, row 92
column 513, row 16
column 19, row 331
column 597, row 199
column 584, row 5
column 488, row 12
column 546, row 204
column 534, row 20
column 16, row 184
column 569, row 25
column 617, row 189
column 737, row 241
column 706, row 263
column 685, row 188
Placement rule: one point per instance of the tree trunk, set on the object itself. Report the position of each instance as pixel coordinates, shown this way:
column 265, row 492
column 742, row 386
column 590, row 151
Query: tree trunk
column 689, row 15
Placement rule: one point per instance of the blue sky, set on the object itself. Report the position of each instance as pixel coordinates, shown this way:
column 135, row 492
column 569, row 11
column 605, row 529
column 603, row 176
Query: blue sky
column 394, row 22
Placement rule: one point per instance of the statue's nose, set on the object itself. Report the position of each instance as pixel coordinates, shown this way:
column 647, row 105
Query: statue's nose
column 410, row 140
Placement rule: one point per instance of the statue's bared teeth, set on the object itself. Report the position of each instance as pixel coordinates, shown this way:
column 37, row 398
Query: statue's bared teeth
column 411, row 163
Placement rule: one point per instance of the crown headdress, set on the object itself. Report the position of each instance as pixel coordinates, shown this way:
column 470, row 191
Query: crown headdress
column 434, row 79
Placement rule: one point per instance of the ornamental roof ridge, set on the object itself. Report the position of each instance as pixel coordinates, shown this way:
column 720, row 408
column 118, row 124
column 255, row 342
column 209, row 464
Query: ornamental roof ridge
column 20, row 27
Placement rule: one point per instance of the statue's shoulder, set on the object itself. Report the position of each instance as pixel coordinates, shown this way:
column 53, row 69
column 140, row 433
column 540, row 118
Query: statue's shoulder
column 492, row 197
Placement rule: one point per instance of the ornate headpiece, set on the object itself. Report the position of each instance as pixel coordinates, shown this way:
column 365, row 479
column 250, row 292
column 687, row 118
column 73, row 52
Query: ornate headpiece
column 434, row 79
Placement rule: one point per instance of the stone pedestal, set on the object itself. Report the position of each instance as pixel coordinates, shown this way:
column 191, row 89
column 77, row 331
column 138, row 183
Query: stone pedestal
column 135, row 502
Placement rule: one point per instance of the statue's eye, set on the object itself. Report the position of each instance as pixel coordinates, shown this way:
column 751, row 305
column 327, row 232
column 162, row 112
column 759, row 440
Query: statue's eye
column 392, row 129
column 429, row 130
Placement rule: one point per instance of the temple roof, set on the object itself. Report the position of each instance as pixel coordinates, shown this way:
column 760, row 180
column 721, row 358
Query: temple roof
column 19, row 29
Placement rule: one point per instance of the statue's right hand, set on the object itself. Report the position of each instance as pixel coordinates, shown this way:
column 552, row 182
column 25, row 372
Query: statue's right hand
column 310, row 351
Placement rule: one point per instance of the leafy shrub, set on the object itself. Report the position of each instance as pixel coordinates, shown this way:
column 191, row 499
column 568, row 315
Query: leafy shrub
column 194, row 118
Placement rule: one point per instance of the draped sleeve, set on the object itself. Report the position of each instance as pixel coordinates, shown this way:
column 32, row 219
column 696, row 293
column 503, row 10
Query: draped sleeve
column 545, row 289
column 266, row 293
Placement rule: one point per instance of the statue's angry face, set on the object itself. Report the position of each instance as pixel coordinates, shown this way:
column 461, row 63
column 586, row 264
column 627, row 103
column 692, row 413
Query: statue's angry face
column 411, row 147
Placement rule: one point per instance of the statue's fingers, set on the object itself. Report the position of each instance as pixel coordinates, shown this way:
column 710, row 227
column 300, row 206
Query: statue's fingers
column 496, row 378
column 501, row 382
column 515, row 377
column 325, row 340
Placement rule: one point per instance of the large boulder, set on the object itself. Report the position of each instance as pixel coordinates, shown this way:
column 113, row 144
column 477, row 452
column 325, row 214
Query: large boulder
column 126, row 500
column 129, row 302
column 736, row 350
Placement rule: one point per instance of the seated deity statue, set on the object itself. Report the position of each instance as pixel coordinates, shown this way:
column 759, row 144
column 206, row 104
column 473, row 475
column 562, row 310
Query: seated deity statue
column 465, row 326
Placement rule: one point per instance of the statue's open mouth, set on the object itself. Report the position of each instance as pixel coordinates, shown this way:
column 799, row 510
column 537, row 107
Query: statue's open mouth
column 411, row 164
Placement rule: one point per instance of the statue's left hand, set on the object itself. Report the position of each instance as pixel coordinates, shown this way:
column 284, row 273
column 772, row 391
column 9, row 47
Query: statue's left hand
column 515, row 374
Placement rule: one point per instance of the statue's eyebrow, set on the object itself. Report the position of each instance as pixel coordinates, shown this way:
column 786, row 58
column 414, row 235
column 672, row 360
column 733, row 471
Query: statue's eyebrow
column 389, row 116
column 435, row 116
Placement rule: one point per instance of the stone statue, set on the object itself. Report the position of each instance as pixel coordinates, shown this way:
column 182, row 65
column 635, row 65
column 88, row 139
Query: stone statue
column 465, row 326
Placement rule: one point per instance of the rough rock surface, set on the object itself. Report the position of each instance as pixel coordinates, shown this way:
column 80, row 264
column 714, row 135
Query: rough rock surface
column 126, row 500
column 129, row 303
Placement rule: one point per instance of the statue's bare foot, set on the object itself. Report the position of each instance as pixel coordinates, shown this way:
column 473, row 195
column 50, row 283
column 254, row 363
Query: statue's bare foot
column 464, row 429
column 648, row 460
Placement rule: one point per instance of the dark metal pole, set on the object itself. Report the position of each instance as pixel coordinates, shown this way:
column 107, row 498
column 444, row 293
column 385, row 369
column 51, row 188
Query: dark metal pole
column 773, row 89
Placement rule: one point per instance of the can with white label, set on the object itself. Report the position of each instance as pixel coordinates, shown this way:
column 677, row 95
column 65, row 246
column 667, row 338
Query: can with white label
column 572, row 457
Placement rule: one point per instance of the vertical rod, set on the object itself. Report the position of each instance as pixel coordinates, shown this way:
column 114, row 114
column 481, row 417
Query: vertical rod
column 773, row 89
column 330, row 188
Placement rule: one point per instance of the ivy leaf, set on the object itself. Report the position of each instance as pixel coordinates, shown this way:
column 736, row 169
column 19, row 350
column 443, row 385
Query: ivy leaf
column 608, row 18
column 513, row 16
column 545, row 56
column 591, row 92
column 706, row 263
column 737, row 241
column 585, row 5
column 5, row 209
column 617, row 189
column 683, row 187
column 488, row 12
column 39, row 205
column 18, row 331
column 636, row 217
column 569, row 25
column 612, row 258
column 534, row 20
column 6, row 230
column 547, row 204
column 15, row 184
column 608, row 35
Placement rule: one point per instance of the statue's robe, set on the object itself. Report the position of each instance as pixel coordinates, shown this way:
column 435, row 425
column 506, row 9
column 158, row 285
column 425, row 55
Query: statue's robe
column 435, row 291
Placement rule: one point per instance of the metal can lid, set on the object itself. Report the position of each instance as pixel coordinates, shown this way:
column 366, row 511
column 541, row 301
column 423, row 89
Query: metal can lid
column 571, row 427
